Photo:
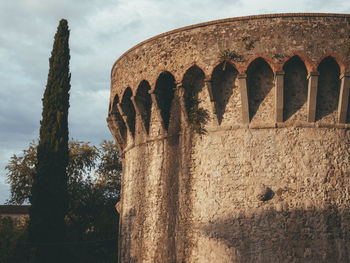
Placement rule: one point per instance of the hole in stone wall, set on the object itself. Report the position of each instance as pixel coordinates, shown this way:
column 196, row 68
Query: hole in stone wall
column 164, row 91
column 295, row 87
column 223, row 81
column 328, row 88
column 129, row 110
column 144, row 102
column 120, row 122
column 193, row 82
column 260, row 82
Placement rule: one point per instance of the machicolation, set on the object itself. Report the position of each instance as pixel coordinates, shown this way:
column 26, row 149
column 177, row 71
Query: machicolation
column 235, row 141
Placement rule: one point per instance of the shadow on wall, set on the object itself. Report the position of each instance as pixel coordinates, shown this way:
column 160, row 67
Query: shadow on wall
column 295, row 87
column 164, row 91
column 285, row 236
column 144, row 103
column 328, row 88
column 223, row 83
column 260, row 82
column 129, row 110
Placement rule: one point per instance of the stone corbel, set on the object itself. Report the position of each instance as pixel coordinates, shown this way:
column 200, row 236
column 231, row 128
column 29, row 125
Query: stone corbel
column 115, row 131
column 343, row 97
column 242, row 80
column 138, row 115
column 180, row 93
column 208, row 84
column 279, row 88
column 157, row 109
column 312, row 96
column 125, row 119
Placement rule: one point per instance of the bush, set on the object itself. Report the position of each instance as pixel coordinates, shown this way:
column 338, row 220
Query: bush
column 12, row 237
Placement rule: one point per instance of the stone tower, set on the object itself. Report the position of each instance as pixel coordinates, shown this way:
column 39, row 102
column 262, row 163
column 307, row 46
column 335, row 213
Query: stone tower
column 266, row 177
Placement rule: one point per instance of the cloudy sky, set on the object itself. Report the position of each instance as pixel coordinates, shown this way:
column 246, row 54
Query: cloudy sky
column 100, row 32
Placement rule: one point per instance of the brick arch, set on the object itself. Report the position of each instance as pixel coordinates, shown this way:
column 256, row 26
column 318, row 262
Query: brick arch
column 342, row 66
column 310, row 66
column 193, row 84
column 260, row 83
column 295, row 89
column 187, row 67
column 223, row 80
column 164, row 93
column 152, row 80
column 118, row 121
column 328, row 90
column 266, row 58
column 194, row 69
column 113, row 104
column 238, row 66
column 128, row 109
column 143, row 102
column 120, row 92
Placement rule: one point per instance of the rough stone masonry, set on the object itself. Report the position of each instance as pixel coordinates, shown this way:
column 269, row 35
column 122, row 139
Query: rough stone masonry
column 269, row 180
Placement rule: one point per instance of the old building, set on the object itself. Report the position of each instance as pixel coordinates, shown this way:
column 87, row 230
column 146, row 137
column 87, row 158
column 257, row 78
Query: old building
column 18, row 213
column 266, row 177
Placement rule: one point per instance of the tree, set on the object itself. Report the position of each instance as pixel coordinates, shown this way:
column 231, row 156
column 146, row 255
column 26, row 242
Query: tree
column 12, row 233
column 94, row 176
column 48, row 196
column 99, row 166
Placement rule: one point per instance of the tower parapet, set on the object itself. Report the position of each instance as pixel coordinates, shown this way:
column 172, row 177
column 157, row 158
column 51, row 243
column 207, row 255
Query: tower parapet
column 264, row 175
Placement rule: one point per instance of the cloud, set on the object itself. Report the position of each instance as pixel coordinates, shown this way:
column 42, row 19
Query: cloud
column 4, row 192
column 100, row 32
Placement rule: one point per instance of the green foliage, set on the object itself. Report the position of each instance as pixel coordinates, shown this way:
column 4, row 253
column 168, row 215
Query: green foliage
column 109, row 169
column 94, row 179
column 20, row 173
column 12, row 236
column 197, row 116
column 248, row 43
column 279, row 56
column 96, row 165
column 227, row 55
column 48, row 195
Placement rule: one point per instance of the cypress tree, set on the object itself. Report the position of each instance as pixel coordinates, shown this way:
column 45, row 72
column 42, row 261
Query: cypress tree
column 49, row 190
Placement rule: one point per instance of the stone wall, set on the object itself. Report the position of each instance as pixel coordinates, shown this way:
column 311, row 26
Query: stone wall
column 269, row 180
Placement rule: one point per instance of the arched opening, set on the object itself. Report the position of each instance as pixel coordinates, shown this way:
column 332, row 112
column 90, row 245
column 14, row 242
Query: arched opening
column 115, row 102
column 193, row 82
column 164, row 91
column 144, row 102
column 260, row 80
column 328, row 90
column 129, row 110
column 295, row 89
column 223, row 82
column 119, row 120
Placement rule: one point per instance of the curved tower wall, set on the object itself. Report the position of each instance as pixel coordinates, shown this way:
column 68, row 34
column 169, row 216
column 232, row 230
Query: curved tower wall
column 268, row 180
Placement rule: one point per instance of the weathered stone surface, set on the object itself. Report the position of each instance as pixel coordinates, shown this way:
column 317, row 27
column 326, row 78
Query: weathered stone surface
column 262, row 185
column 263, row 193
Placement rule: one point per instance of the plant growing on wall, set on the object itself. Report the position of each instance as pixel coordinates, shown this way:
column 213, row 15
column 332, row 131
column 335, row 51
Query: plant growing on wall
column 227, row 55
column 197, row 116
column 248, row 43
column 279, row 57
